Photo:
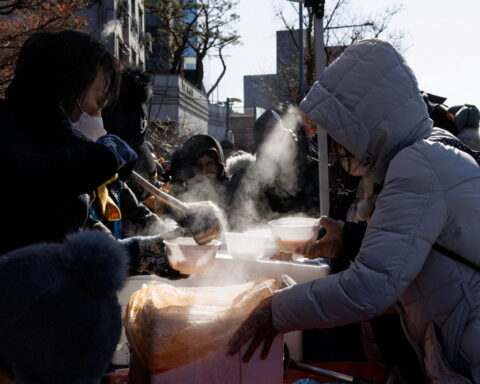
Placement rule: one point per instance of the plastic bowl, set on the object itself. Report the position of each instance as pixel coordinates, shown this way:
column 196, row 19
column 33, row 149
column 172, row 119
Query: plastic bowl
column 292, row 234
column 187, row 257
column 245, row 246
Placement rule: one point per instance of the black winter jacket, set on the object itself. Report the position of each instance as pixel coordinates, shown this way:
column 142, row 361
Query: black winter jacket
column 47, row 173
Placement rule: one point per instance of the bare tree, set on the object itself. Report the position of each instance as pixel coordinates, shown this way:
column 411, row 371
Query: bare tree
column 342, row 28
column 19, row 19
column 166, row 137
column 7, row 7
column 202, row 26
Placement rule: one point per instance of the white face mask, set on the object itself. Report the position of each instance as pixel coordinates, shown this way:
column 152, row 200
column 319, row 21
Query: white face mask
column 354, row 167
column 89, row 126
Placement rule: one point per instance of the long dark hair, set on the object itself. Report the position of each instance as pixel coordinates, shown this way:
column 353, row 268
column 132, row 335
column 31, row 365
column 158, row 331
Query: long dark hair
column 56, row 68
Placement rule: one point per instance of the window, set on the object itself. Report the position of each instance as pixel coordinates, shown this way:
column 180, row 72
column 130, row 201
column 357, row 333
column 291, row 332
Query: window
column 124, row 54
column 140, row 20
column 132, row 8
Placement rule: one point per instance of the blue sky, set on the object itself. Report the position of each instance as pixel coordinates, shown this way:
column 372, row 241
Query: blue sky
column 442, row 40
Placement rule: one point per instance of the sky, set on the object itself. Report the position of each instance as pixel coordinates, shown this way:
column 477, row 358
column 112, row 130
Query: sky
column 441, row 44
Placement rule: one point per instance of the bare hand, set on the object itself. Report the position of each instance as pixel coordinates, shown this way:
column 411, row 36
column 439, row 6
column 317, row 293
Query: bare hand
column 329, row 245
column 258, row 327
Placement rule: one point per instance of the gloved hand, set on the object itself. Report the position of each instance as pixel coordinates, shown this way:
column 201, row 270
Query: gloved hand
column 126, row 156
column 330, row 244
column 149, row 254
column 257, row 328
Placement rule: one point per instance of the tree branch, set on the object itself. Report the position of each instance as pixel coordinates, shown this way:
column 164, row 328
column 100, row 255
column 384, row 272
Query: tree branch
column 221, row 74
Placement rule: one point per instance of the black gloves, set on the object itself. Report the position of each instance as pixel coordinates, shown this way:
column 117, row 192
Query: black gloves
column 149, row 254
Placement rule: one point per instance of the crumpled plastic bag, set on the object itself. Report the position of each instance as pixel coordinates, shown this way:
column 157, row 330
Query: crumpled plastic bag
column 168, row 326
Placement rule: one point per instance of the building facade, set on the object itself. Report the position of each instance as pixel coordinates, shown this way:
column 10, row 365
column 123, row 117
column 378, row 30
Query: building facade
column 177, row 101
column 120, row 25
column 217, row 126
column 266, row 91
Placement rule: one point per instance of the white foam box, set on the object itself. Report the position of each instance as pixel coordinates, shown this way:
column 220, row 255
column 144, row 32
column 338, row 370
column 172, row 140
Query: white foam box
column 227, row 271
column 219, row 367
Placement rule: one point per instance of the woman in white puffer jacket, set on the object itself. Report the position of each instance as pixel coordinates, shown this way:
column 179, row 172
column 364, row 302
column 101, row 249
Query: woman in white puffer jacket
column 368, row 101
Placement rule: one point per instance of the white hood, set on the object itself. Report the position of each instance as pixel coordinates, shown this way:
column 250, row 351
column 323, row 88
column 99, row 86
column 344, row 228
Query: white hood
column 362, row 100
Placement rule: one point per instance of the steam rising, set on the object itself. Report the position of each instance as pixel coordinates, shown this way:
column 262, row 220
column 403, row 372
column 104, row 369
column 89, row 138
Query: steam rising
column 275, row 171
column 272, row 172
column 108, row 29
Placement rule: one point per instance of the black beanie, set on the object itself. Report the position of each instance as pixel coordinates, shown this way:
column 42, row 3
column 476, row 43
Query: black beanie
column 60, row 319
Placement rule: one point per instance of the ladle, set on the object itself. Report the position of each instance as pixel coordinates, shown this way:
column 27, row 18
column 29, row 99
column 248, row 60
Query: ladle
column 202, row 217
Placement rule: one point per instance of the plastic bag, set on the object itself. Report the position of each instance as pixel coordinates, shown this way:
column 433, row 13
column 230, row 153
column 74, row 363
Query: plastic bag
column 168, row 326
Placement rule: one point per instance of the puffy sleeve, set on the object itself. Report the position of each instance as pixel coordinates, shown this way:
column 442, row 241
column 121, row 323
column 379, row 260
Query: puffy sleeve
column 68, row 170
column 409, row 215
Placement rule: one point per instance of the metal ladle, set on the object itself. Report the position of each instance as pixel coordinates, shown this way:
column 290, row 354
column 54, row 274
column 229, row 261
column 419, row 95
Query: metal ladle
column 203, row 218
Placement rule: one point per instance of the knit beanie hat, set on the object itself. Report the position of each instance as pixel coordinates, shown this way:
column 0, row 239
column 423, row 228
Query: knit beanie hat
column 60, row 320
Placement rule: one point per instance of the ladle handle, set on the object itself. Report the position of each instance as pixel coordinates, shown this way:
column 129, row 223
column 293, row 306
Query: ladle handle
column 331, row 374
column 159, row 194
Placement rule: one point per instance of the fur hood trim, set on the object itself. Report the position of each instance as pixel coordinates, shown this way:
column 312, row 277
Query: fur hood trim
column 240, row 163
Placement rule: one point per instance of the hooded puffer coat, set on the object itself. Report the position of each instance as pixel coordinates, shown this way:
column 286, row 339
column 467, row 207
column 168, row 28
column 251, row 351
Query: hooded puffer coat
column 368, row 101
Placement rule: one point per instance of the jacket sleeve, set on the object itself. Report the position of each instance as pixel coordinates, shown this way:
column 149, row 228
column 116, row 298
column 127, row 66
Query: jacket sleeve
column 71, row 171
column 409, row 215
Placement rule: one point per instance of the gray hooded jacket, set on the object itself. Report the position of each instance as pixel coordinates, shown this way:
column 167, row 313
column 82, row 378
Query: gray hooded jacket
column 368, row 101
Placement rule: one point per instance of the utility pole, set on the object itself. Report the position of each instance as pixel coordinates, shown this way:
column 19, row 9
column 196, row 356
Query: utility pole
column 228, row 131
column 318, row 7
column 301, row 76
column 227, row 121
column 323, row 179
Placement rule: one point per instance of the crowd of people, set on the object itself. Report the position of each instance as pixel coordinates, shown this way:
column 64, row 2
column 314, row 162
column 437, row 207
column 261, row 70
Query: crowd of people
column 400, row 235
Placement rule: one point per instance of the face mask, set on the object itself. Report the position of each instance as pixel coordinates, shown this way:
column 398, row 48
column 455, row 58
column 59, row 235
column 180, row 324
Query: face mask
column 89, row 126
column 354, row 167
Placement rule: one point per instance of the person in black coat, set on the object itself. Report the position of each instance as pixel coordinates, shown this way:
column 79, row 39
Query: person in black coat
column 198, row 171
column 127, row 118
column 62, row 82
column 50, row 171
column 281, row 179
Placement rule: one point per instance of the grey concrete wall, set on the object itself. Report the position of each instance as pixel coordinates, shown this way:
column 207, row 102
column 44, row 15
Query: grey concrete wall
column 175, row 99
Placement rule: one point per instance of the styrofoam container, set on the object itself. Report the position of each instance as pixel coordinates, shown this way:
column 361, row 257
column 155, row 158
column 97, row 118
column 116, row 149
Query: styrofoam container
column 245, row 246
column 227, row 271
column 190, row 258
column 293, row 233
column 219, row 367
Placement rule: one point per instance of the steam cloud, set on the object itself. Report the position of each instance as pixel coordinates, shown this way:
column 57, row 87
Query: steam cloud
column 108, row 29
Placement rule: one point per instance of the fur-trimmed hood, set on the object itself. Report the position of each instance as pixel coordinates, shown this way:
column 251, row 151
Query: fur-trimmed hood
column 239, row 164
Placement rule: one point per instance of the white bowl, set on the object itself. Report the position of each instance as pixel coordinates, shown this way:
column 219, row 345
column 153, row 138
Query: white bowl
column 187, row 257
column 292, row 234
column 245, row 246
